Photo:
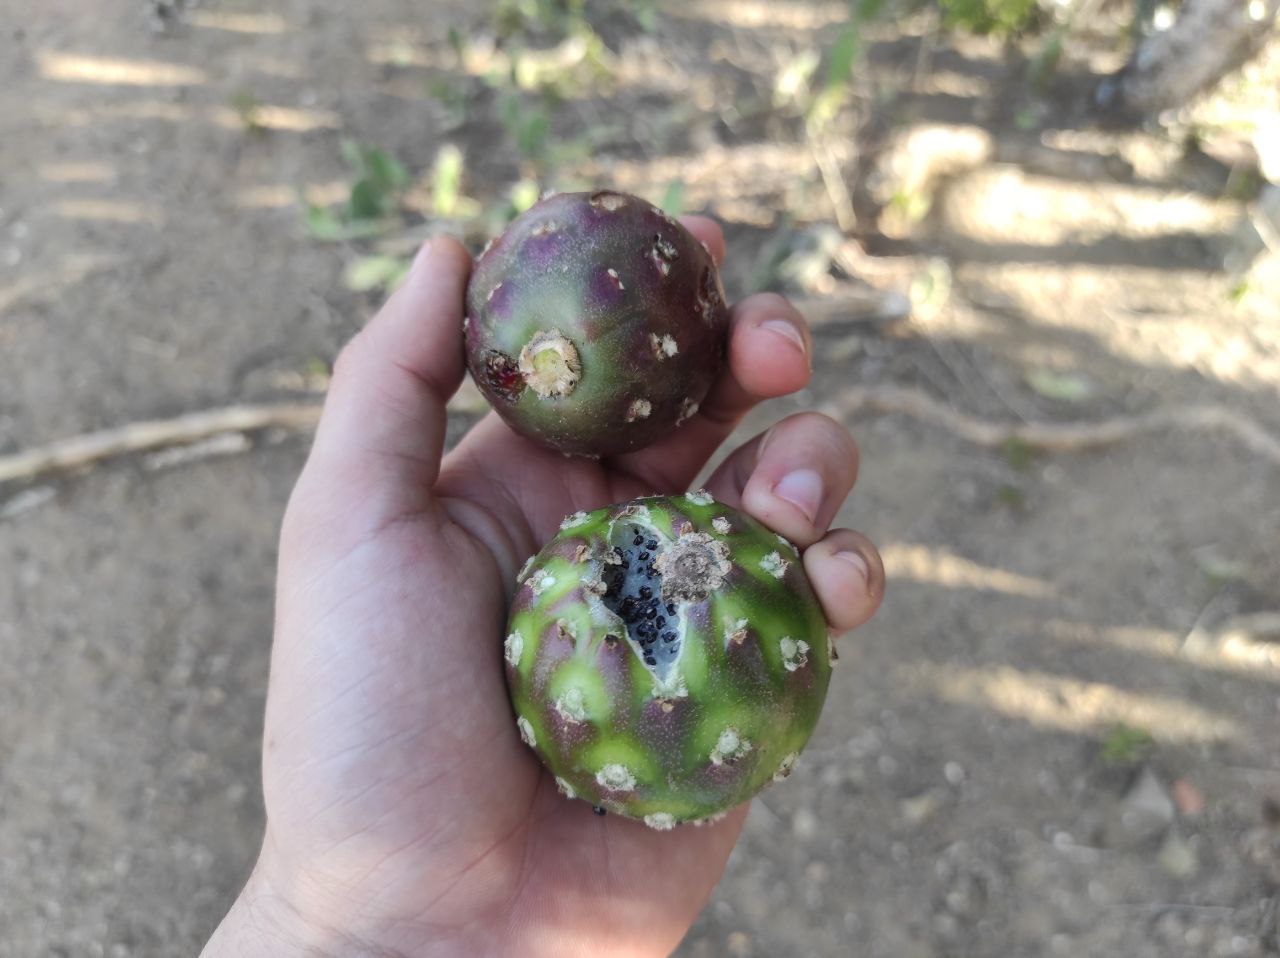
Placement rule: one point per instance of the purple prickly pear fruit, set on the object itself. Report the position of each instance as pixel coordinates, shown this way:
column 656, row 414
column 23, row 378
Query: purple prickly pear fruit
column 596, row 323
column 666, row 657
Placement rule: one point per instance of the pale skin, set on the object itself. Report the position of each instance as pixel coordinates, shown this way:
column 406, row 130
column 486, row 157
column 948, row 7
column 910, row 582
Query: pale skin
column 404, row 815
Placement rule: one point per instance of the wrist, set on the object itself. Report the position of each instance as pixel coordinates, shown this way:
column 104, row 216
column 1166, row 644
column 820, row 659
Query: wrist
column 263, row 923
column 268, row 921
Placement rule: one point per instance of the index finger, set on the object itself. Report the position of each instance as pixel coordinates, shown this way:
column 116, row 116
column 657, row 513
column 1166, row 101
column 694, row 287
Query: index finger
column 708, row 232
column 768, row 357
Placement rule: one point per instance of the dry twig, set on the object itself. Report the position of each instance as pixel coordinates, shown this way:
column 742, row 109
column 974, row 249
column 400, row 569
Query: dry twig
column 86, row 450
column 1058, row 437
column 833, row 179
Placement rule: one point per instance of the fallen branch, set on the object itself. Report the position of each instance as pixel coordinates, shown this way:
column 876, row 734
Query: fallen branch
column 1057, row 437
column 79, row 451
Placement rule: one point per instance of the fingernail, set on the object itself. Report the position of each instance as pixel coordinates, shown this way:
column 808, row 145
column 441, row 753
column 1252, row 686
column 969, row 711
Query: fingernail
column 787, row 329
column 803, row 489
column 858, row 562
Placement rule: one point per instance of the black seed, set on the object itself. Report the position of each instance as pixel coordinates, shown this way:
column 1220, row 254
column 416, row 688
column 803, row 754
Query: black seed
column 645, row 592
column 638, row 540
column 643, row 556
column 668, row 636
column 660, row 622
column 649, row 660
column 650, row 612
column 671, row 608
column 651, row 544
column 598, row 810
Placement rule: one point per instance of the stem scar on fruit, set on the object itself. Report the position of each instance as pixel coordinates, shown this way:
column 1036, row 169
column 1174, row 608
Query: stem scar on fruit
column 549, row 363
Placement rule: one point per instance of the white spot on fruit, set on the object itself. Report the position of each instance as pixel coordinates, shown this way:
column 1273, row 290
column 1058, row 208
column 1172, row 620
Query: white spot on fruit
column 577, row 519
column 710, row 819
column 787, row 767
column 493, row 292
column 616, row 778
column 662, row 821
column 775, row 565
column 721, row 525
column 639, row 409
column 545, row 229
column 572, row 706
column 663, row 253
column 832, row 656
column 606, row 200
column 613, row 275
column 524, row 569
column 549, row 363
column 541, row 581
column 634, row 512
column 565, row 630
column 663, row 346
column 729, row 746
column 786, row 542
column 795, row 652
column 699, row 497
column 672, row 686
column 564, row 788
column 710, row 294
column 513, row 648
column 735, row 633
column 688, row 409
column 526, row 732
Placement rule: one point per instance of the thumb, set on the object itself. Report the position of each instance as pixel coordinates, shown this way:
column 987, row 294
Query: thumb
column 378, row 446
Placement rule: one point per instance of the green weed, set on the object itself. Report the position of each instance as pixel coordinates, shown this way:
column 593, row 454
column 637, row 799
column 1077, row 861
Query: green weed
column 1126, row 745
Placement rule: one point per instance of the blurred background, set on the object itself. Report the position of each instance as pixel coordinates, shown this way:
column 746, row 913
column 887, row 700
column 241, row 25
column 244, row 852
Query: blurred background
column 1039, row 243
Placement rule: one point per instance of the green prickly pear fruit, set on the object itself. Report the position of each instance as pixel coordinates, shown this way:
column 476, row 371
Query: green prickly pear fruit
column 667, row 658
column 596, row 323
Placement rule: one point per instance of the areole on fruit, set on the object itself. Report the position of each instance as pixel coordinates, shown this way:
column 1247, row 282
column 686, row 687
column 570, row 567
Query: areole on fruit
column 659, row 664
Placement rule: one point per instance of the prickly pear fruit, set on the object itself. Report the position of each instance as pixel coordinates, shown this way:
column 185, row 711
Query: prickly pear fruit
column 596, row 323
column 667, row 658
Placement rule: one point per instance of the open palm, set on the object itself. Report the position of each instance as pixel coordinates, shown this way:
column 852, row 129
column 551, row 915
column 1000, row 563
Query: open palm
column 405, row 817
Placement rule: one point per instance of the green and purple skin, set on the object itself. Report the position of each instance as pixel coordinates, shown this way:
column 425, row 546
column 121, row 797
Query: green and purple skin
column 676, row 704
column 596, row 323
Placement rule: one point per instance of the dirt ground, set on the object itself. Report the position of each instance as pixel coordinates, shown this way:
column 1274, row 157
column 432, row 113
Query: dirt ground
column 1061, row 736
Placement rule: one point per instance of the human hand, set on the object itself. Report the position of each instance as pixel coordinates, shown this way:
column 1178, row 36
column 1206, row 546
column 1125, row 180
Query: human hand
column 404, row 815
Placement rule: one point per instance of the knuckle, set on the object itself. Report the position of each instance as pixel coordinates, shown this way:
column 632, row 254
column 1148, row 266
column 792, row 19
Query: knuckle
column 348, row 357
